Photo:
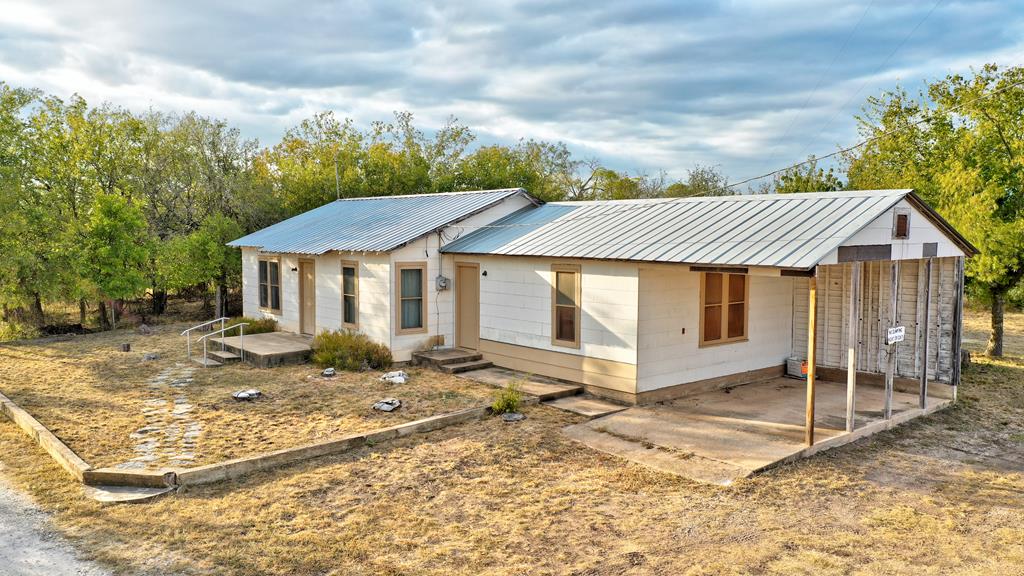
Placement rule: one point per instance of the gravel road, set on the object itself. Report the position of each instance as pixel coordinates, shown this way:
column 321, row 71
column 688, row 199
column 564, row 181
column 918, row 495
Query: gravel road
column 29, row 546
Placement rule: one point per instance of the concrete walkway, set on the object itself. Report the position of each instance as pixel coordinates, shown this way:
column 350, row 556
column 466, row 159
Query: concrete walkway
column 29, row 546
column 720, row 436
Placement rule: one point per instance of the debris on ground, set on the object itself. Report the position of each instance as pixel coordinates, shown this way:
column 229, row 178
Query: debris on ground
column 328, row 373
column 513, row 416
column 149, row 356
column 144, row 330
column 387, row 404
column 250, row 394
column 126, row 347
column 396, row 377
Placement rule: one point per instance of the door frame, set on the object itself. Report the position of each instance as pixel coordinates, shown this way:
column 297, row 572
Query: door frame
column 458, row 303
column 302, row 295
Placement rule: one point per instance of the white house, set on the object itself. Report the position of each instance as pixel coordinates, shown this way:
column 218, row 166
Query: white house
column 638, row 300
column 367, row 264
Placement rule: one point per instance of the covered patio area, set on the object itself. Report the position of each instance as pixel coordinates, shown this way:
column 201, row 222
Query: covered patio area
column 723, row 435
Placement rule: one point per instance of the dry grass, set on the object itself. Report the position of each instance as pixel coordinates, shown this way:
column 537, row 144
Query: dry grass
column 91, row 395
column 978, row 323
column 941, row 495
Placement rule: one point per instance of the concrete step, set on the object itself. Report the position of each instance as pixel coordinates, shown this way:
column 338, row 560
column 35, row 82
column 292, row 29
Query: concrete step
column 537, row 386
column 585, row 406
column 208, row 363
column 224, row 356
column 459, row 367
column 446, row 356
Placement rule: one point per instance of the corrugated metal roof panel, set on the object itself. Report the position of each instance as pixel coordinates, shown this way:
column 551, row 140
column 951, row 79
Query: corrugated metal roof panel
column 780, row 230
column 376, row 224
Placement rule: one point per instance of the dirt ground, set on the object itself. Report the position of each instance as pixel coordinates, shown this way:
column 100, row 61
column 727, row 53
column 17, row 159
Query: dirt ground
column 941, row 495
column 93, row 397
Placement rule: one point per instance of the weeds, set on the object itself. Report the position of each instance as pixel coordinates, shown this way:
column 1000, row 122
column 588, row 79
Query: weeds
column 347, row 350
column 256, row 325
column 508, row 399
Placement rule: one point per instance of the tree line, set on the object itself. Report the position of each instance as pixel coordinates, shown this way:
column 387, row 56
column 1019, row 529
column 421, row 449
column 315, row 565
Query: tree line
column 103, row 205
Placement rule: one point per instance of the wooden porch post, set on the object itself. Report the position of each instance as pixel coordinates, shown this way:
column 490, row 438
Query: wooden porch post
column 923, row 350
column 890, row 370
column 812, row 338
column 852, row 342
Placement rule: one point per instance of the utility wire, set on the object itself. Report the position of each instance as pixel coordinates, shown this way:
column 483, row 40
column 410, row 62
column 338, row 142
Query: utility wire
column 728, row 187
column 899, row 46
column 817, row 85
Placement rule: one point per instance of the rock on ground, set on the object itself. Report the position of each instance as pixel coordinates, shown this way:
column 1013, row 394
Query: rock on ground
column 30, row 547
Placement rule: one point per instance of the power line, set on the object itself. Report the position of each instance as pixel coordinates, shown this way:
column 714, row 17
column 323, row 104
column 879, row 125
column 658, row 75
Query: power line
column 817, row 85
column 877, row 70
column 727, row 188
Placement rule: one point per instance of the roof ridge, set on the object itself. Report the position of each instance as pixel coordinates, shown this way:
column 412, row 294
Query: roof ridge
column 422, row 194
column 740, row 197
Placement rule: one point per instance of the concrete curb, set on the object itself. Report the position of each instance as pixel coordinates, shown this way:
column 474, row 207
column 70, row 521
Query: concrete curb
column 171, row 478
column 46, row 440
column 862, row 432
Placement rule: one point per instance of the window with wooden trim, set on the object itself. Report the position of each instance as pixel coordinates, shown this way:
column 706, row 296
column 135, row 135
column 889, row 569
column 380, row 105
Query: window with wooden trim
column 412, row 301
column 270, row 284
column 565, row 305
column 723, row 314
column 350, row 294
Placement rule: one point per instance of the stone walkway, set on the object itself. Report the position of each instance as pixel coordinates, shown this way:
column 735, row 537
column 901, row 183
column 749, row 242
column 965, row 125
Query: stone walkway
column 170, row 434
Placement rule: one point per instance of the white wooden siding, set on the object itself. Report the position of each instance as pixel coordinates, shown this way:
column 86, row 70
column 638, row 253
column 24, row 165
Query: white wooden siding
column 833, row 312
column 440, row 304
column 670, row 302
column 515, row 305
column 879, row 231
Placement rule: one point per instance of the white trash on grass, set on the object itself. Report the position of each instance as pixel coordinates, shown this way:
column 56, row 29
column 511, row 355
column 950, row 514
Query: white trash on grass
column 396, row 377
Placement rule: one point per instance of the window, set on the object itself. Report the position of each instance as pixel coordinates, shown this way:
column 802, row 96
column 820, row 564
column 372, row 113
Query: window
column 723, row 315
column 412, row 303
column 270, row 284
column 901, row 225
column 349, row 294
column 565, row 305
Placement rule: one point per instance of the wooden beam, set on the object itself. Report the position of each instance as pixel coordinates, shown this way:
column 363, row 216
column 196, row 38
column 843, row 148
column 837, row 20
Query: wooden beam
column 922, row 351
column 958, row 323
column 812, row 337
column 853, row 323
column 890, row 369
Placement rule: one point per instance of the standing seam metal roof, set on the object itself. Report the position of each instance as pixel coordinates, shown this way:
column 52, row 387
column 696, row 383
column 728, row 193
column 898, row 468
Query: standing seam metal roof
column 778, row 230
column 376, row 224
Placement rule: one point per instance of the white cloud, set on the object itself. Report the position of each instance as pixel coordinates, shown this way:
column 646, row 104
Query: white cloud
column 645, row 85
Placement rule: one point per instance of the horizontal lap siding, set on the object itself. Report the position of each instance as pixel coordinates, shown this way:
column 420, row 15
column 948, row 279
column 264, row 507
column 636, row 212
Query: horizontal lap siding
column 515, row 305
column 670, row 303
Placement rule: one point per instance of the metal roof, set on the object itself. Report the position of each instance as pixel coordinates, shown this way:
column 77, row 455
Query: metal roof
column 778, row 230
column 375, row 224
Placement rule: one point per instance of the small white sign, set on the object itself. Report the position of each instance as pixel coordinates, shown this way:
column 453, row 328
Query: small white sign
column 895, row 334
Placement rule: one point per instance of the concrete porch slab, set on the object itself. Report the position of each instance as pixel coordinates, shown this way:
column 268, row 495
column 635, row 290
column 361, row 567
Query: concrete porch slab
column 539, row 386
column 724, row 435
column 585, row 406
column 269, row 348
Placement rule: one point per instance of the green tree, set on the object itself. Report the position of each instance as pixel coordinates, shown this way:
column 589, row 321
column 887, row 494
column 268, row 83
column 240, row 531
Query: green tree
column 116, row 251
column 960, row 144
column 807, row 177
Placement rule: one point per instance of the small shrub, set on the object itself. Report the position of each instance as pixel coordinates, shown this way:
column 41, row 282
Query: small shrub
column 348, row 350
column 17, row 331
column 507, row 399
column 256, row 325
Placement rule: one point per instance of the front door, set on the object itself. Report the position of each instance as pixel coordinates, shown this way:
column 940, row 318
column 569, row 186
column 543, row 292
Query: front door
column 467, row 305
column 307, row 296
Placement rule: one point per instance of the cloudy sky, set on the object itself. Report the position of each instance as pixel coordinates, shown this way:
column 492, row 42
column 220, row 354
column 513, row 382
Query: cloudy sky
column 645, row 85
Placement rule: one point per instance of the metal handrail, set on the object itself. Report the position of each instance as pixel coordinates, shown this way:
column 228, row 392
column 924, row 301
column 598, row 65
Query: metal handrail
column 241, row 340
column 188, row 337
